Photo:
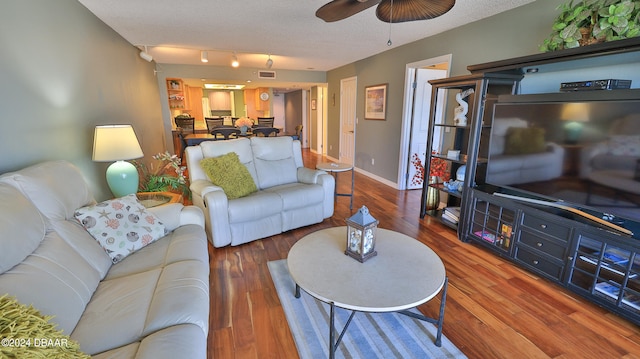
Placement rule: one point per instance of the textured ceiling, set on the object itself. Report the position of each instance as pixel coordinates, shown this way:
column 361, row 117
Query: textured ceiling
column 176, row 31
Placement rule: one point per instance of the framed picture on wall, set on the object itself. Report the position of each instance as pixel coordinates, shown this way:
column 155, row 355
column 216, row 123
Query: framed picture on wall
column 313, row 104
column 375, row 102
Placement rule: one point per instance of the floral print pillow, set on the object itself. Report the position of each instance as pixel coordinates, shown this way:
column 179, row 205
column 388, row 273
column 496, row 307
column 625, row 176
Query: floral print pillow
column 121, row 226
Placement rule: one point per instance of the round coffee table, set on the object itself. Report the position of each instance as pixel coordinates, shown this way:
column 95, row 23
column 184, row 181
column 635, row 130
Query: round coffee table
column 404, row 274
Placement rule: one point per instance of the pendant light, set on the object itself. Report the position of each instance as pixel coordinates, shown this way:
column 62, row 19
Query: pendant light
column 204, row 56
column 234, row 61
column 269, row 62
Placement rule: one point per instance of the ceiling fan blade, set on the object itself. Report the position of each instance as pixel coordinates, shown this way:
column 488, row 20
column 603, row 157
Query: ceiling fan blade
column 342, row 9
column 411, row 10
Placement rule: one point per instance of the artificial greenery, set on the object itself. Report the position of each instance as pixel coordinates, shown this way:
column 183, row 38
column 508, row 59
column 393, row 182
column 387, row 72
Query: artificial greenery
column 164, row 174
column 591, row 21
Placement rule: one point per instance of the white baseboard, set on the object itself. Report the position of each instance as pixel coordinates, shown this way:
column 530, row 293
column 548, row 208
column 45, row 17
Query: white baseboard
column 369, row 174
column 377, row 178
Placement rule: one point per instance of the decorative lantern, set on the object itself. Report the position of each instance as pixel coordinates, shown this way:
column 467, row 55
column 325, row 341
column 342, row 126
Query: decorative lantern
column 361, row 235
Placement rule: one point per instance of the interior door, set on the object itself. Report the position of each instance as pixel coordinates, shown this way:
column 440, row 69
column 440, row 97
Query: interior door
column 420, row 124
column 348, row 94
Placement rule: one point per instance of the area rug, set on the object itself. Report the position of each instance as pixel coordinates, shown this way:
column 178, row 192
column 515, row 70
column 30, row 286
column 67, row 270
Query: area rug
column 370, row 335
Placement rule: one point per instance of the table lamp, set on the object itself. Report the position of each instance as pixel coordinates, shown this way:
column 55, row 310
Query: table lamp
column 575, row 114
column 118, row 143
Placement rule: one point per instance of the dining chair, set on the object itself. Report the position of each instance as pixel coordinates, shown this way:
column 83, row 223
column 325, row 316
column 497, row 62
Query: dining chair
column 265, row 122
column 233, row 120
column 213, row 122
column 265, row 131
column 187, row 124
column 225, row 132
column 298, row 133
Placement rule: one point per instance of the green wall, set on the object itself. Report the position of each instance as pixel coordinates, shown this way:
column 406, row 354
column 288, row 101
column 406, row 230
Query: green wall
column 64, row 72
column 511, row 34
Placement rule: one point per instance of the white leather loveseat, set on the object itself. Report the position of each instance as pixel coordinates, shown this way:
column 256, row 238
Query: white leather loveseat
column 288, row 195
column 510, row 169
column 152, row 304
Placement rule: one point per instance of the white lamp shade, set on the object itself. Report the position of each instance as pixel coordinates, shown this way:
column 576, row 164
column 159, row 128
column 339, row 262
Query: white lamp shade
column 115, row 143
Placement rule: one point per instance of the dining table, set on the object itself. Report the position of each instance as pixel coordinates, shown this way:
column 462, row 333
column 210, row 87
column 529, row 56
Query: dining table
column 195, row 139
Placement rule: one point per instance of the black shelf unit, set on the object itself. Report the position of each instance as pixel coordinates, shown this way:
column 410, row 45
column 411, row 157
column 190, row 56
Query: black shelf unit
column 487, row 88
column 595, row 262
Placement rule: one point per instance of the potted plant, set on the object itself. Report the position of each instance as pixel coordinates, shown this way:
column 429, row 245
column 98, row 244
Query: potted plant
column 165, row 174
column 587, row 22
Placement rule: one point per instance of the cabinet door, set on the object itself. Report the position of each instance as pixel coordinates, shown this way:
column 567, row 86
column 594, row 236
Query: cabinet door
column 220, row 100
column 608, row 272
column 492, row 224
column 194, row 102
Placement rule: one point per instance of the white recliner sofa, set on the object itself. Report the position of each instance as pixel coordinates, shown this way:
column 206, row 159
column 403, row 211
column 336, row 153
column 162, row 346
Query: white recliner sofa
column 289, row 195
column 152, row 304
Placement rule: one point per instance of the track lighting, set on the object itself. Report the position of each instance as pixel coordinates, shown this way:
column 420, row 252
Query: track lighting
column 269, row 62
column 145, row 55
column 234, row 61
column 204, row 56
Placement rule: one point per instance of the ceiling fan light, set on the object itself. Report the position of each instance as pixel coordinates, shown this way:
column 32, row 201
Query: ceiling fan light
column 204, row 56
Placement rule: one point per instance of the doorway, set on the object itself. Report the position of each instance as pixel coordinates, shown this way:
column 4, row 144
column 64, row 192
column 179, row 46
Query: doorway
column 417, row 109
column 348, row 95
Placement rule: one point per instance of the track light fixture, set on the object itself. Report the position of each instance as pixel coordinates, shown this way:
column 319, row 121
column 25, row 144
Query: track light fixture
column 145, row 55
column 269, row 62
column 204, row 56
column 234, row 61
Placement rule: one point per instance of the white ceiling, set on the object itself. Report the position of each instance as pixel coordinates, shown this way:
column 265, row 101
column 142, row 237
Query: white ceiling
column 176, row 31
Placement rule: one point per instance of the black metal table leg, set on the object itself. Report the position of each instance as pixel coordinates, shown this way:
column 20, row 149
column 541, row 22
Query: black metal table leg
column 440, row 321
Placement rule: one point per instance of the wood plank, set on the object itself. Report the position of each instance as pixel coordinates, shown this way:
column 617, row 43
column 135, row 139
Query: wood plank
column 495, row 309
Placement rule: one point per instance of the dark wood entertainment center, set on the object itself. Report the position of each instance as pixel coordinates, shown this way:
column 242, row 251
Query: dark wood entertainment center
column 592, row 260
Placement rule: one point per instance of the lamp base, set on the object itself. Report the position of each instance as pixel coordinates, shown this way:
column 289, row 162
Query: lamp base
column 122, row 178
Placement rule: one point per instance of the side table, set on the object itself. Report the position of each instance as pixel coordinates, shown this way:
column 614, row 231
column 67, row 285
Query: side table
column 334, row 168
column 153, row 199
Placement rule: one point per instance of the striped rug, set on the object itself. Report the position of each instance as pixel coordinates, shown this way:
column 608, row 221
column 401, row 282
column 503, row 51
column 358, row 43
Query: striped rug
column 370, row 335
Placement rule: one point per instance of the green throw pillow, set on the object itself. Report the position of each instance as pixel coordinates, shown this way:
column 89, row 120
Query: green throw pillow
column 25, row 333
column 524, row 140
column 229, row 173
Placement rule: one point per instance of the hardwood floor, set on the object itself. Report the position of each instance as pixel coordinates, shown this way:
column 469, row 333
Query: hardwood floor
column 494, row 309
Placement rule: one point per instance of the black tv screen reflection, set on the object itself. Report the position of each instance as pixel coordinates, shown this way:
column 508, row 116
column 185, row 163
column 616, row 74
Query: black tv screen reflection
column 586, row 154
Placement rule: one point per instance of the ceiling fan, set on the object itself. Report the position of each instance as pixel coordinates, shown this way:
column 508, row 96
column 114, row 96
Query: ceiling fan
column 387, row 11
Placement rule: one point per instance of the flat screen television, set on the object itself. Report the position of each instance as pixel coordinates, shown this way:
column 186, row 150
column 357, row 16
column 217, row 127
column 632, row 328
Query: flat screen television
column 580, row 150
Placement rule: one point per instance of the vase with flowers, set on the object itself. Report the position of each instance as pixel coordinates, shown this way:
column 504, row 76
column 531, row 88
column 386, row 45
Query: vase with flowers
column 164, row 174
column 438, row 172
column 244, row 123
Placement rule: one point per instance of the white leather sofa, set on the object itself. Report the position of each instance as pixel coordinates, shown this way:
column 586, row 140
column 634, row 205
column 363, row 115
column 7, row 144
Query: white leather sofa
column 508, row 169
column 289, row 195
column 152, row 304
